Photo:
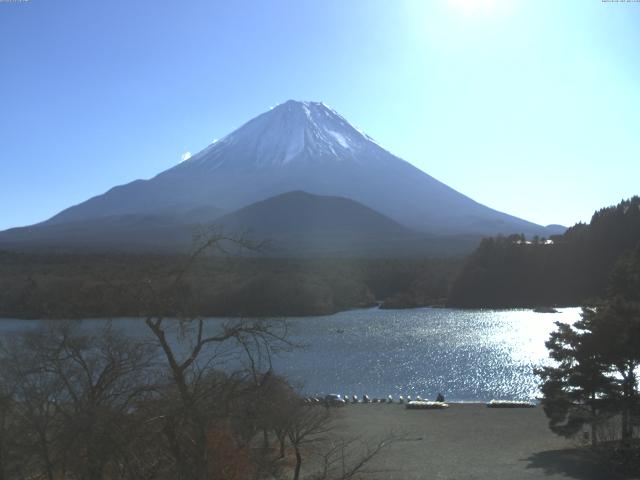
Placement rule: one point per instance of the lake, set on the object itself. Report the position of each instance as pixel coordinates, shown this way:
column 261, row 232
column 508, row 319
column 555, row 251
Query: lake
column 468, row 355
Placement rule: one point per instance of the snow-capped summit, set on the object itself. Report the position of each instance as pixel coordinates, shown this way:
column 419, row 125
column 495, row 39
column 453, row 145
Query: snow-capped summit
column 290, row 132
column 301, row 146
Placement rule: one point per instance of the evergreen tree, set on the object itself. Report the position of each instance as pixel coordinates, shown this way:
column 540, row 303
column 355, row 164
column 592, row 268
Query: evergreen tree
column 597, row 360
column 616, row 326
column 576, row 391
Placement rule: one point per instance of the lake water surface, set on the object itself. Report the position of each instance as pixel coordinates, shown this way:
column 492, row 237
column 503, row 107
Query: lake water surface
column 468, row 355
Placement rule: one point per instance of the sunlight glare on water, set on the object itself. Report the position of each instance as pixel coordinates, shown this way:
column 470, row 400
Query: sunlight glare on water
column 468, row 355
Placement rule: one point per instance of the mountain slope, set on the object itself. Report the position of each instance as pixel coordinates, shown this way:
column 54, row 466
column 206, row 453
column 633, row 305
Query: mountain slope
column 292, row 224
column 299, row 223
column 301, row 213
column 302, row 146
column 125, row 232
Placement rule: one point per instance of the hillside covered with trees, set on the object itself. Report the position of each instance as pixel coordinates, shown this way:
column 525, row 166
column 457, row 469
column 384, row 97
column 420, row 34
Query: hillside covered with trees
column 568, row 269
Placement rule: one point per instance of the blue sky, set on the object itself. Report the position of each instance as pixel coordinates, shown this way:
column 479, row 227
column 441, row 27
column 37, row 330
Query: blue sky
column 530, row 107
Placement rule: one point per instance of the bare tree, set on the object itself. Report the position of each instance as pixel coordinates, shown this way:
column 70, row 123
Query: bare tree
column 307, row 425
column 349, row 458
column 191, row 346
column 8, row 465
column 35, row 395
column 73, row 396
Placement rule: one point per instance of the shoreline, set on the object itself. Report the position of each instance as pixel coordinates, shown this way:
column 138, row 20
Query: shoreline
column 301, row 316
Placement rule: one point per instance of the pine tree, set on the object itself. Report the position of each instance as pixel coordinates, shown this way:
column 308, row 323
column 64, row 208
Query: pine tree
column 575, row 392
column 597, row 360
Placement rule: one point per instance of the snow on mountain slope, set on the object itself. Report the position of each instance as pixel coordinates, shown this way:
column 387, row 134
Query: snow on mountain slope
column 292, row 131
column 303, row 146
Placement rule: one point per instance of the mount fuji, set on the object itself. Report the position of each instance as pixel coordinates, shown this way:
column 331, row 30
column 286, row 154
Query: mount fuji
column 295, row 146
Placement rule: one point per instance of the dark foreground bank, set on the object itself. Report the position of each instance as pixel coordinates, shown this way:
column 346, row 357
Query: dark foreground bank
column 470, row 441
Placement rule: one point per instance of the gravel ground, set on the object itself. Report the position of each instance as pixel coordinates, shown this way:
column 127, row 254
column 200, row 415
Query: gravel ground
column 469, row 441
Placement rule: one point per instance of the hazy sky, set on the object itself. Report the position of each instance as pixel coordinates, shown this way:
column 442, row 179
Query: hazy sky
column 530, row 107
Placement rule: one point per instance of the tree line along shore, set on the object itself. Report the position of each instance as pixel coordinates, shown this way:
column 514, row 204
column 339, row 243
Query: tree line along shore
column 40, row 285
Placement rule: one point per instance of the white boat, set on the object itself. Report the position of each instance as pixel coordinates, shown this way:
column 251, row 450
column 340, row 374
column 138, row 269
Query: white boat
column 424, row 405
column 510, row 404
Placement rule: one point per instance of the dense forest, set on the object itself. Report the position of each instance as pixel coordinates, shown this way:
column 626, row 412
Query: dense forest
column 566, row 269
column 69, row 285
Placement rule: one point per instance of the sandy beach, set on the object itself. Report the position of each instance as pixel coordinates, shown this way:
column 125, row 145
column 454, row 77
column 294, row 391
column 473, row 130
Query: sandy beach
column 470, row 441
